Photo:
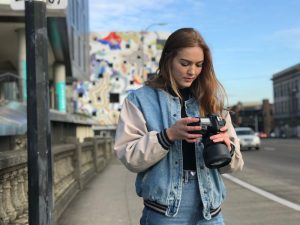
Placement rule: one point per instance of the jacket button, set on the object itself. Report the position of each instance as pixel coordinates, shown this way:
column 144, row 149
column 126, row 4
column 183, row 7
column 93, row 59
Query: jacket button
column 174, row 115
column 176, row 162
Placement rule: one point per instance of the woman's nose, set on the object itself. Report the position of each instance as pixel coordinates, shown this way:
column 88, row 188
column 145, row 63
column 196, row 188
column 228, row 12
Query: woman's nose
column 191, row 70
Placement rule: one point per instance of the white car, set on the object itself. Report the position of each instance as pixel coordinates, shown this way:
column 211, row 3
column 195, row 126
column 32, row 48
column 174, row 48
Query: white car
column 247, row 137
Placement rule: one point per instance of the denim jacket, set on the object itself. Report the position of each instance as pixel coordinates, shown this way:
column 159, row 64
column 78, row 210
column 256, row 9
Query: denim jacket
column 147, row 112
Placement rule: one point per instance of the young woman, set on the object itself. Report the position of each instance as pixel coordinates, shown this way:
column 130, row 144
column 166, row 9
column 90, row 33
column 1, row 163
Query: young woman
column 154, row 138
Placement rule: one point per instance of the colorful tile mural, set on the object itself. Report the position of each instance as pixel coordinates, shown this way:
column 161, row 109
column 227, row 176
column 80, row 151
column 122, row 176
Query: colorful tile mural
column 120, row 62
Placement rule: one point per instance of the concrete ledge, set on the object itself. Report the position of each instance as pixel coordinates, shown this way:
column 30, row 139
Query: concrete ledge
column 12, row 158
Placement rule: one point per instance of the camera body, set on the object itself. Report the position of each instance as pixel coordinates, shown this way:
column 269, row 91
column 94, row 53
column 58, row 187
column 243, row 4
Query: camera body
column 215, row 155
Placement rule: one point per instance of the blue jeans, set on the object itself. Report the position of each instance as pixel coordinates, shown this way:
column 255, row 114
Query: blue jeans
column 190, row 209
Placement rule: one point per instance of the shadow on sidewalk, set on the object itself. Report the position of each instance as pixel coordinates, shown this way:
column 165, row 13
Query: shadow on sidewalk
column 109, row 199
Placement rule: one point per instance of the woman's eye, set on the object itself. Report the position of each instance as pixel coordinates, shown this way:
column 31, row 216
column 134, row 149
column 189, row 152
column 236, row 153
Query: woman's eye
column 184, row 64
column 199, row 65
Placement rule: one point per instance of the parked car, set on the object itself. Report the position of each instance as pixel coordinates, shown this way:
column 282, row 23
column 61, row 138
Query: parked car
column 248, row 139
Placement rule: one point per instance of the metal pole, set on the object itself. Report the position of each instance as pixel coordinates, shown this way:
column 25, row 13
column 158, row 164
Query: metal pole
column 40, row 191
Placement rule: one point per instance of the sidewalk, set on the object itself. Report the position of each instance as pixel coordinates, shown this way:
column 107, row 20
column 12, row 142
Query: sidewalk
column 110, row 199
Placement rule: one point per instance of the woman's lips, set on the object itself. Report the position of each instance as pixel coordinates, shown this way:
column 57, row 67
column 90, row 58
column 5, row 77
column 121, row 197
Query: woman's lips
column 188, row 79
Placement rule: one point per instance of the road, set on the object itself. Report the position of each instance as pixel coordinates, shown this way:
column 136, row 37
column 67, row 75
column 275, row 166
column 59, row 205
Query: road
column 274, row 171
column 274, row 168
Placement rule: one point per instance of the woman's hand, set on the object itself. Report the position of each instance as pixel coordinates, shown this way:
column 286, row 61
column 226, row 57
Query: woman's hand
column 181, row 131
column 222, row 137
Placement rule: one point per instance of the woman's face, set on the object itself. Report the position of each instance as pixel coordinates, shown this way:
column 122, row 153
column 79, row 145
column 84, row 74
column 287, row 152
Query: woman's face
column 187, row 65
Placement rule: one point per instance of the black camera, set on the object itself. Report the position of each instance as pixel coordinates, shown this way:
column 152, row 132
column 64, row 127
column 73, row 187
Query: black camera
column 215, row 155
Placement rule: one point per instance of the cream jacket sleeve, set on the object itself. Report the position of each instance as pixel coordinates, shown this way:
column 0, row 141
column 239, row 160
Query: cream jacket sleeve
column 136, row 147
column 237, row 161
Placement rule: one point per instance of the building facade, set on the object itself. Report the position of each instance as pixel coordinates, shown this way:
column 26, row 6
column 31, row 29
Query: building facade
column 68, row 53
column 120, row 62
column 65, row 38
column 258, row 116
column 71, row 134
column 286, row 85
column 78, row 31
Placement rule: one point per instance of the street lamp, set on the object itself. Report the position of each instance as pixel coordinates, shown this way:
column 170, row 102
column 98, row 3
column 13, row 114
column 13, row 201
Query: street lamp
column 144, row 31
column 152, row 25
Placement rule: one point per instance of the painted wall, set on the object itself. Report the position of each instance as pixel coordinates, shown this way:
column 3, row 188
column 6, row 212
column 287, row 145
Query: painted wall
column 120, row 62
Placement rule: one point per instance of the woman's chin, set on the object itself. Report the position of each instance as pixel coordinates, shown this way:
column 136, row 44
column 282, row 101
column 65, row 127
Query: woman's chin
column 185, row 85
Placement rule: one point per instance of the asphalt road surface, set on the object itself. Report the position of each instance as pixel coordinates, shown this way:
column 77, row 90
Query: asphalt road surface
column 274, row 170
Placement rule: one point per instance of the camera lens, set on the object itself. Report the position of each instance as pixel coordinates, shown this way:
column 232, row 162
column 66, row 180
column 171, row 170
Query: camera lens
column 216, row 155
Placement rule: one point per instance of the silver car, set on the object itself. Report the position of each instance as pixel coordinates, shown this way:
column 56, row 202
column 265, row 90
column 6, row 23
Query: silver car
column 247, row 137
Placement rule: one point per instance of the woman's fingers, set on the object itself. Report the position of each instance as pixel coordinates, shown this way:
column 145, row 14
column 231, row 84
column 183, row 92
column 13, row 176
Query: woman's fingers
column 182, row 130
column 188, row 120
column 221, row 137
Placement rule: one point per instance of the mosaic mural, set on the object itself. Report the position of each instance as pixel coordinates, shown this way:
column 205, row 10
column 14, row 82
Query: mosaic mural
column 120, row 62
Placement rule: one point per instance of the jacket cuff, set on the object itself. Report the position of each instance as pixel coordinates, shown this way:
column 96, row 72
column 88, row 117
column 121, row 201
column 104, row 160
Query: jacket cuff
column 164, row 140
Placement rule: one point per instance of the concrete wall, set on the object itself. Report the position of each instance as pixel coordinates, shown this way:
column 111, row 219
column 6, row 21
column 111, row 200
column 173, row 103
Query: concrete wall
column 78, row 155
column 75, row 163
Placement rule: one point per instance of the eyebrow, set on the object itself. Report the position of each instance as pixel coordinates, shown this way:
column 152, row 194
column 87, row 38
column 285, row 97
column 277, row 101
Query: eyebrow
column 191, row 61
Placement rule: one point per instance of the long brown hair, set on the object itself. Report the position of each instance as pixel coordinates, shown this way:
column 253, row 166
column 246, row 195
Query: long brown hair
column 208, row 91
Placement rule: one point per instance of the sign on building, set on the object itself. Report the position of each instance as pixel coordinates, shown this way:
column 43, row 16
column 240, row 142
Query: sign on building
column 51, row 4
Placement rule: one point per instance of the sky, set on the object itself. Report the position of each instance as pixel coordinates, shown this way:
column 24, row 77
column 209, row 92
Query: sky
column 250, row 40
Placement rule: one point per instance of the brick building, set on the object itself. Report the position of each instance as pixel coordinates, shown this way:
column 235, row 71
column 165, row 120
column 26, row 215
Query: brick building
column 256, row 115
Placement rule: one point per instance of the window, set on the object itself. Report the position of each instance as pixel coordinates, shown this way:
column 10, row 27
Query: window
column 77, row 14
column 245, row 132
column 73, row 12
column 114, row 98
column 84, row 57
column 79, row 52
column 72, row 44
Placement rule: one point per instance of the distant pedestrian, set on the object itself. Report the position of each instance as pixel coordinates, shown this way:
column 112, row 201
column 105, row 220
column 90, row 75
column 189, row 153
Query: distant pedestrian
column 156, row 140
